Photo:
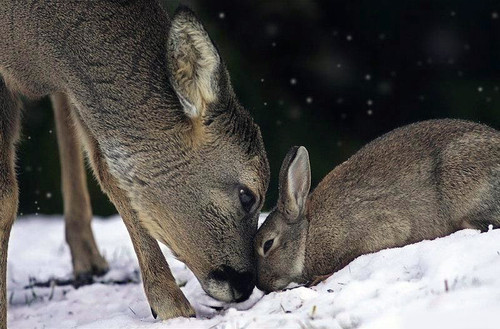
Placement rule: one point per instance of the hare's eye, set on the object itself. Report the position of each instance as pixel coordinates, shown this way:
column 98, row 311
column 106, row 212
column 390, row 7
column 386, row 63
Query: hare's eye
column 247, row 199
column 267, row 245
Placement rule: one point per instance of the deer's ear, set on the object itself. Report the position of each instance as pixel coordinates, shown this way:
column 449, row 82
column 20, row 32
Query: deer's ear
column 193, row 62
column 294, row 183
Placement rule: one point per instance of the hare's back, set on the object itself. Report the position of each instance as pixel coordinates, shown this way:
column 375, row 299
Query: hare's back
column 432, row 171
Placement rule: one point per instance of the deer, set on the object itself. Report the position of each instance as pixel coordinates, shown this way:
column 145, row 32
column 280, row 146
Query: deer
column 418, row 182
column 148, row 99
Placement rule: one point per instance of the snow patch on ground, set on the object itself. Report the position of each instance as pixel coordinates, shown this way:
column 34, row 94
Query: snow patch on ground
column 452, row 282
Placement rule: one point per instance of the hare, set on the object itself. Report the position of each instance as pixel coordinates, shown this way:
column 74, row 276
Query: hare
column 421, row 181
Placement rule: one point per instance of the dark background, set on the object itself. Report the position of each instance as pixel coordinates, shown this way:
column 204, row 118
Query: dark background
column 329, row 75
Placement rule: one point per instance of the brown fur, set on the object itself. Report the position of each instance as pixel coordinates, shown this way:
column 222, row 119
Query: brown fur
column 77, row 209
column 9, row 112
column 167, row 140
column 421, row 181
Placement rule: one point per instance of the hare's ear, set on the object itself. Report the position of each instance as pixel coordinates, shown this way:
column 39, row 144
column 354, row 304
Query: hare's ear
column 294, row 183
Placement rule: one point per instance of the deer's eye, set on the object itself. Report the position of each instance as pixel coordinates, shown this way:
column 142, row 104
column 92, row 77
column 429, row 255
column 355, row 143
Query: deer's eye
column 247, row 199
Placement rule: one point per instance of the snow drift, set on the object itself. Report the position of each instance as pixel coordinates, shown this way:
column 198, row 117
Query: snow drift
column 451, row 282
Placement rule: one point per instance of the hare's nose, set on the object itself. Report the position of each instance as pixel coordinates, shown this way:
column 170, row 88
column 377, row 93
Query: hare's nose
column 267, row 246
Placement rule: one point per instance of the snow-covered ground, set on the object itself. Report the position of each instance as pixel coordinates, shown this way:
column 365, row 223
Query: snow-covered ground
column 452, row 282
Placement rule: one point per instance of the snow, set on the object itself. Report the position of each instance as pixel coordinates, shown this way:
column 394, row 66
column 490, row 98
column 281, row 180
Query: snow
column 451, row 282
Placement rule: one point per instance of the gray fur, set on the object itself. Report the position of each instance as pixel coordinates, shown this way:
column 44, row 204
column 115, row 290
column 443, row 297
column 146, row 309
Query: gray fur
column 421, row 181
column 163, row 130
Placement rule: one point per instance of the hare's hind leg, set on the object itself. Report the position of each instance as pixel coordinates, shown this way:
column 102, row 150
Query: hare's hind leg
column 482, row 223
column 9, row 126
column 487, row 214
column 87, row 261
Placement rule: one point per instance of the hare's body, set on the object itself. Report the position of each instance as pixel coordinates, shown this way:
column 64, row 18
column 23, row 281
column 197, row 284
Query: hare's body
column 421, row 181
column 150, row 100
column 418, row 182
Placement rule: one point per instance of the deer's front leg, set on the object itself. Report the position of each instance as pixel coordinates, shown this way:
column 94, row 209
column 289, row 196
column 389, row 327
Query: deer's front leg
column 9, row 125
column 164, row 296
